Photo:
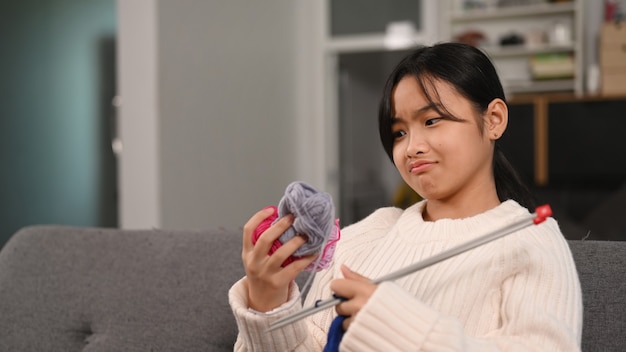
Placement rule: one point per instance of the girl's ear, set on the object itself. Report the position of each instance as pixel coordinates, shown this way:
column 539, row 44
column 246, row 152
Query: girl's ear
column 496, row 119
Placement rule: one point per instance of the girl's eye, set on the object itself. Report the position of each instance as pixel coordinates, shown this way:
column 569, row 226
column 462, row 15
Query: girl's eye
column 398, row 134
column 432, row 121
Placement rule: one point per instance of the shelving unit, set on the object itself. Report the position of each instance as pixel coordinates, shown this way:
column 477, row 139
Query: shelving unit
column 512, row 61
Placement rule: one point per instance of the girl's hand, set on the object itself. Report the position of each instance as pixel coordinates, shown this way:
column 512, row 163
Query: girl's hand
column 356, row 289
column 267, row 281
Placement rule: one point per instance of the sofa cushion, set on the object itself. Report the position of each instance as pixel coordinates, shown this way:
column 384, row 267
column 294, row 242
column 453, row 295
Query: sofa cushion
column 74, row 289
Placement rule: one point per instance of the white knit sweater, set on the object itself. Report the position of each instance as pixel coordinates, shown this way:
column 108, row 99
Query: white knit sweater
column 518, row 293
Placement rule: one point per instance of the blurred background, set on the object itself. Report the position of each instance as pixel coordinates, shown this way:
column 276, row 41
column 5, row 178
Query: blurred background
column 57, row 79
column 197, row 113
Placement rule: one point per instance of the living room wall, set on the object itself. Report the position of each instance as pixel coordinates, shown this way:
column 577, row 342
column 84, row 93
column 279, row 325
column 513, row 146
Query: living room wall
column 208, row 110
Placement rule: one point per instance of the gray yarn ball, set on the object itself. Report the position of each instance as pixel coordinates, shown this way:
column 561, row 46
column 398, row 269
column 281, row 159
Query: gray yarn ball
column 314, row 216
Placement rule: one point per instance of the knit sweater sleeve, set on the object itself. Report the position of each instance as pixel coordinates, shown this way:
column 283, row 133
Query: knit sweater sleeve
column 253, row 326
column 540, row 308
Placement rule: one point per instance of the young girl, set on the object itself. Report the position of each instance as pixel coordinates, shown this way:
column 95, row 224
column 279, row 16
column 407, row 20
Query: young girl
column 441, row 115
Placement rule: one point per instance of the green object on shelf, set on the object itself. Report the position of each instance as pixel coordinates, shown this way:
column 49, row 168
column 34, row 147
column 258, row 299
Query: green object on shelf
column 552, row 66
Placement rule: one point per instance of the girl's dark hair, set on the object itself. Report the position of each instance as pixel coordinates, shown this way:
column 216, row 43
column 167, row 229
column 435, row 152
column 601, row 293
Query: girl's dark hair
column 473, row 75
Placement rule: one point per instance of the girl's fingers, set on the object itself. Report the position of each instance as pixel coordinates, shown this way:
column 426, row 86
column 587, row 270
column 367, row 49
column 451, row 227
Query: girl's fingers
column 353, row 292
column 255, row 254
column 346, row 322
column 349, row 308
column 251, row 225
column 356, row 289
column 351, row 285
column 352, row 275
column 287, row 249
column 264, row 242
column 346, row 308
column 294, row 268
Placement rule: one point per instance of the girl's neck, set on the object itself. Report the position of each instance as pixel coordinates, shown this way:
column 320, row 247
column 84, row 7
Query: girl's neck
column 459, row 207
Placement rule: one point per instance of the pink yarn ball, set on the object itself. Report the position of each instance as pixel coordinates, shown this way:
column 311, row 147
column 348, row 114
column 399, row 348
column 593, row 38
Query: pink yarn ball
column 263, row 226
column 328, row 252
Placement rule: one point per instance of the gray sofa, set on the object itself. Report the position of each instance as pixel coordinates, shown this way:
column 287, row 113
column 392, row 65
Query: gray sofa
column 88, row 289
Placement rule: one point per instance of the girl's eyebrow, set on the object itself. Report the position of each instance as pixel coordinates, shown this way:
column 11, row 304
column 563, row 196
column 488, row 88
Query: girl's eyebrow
column 418, row 112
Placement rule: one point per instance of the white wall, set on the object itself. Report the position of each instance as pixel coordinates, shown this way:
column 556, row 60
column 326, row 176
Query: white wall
column 137, row 86
column 220, row 142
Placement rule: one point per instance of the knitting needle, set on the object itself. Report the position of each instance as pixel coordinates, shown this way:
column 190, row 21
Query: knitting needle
column 540, row 215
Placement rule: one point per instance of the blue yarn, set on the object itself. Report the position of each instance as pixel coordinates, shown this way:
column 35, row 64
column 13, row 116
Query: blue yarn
column 335, row 334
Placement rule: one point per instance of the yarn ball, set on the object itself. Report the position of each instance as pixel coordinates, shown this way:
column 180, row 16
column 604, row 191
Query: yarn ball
column 264, row 225
column 313, row 217
column 327, row 253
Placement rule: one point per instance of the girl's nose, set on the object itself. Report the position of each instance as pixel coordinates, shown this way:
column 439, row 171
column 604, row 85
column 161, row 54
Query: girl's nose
column 416, row 146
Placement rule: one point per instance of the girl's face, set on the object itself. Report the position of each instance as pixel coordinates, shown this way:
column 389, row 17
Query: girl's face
column 442, row 159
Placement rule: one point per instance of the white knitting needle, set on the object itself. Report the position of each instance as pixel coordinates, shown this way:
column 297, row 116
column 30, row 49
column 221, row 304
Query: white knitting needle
column 541, row 213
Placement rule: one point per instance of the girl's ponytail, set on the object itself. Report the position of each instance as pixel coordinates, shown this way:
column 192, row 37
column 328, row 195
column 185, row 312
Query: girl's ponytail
column 509, row 184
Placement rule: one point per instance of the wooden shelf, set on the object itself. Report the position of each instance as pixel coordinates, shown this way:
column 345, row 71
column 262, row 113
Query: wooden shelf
column 497, row 13
column 369, row 42
column 518, row 99
column 524, row 50
column 362, row 43
column 526, row 87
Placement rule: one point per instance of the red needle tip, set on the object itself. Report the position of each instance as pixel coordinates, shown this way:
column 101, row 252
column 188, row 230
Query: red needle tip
column 542, row 212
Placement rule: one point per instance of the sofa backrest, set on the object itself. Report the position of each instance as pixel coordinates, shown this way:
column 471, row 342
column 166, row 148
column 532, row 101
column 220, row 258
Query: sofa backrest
column 73, row 289
column 69, row 289
column 601, row 267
